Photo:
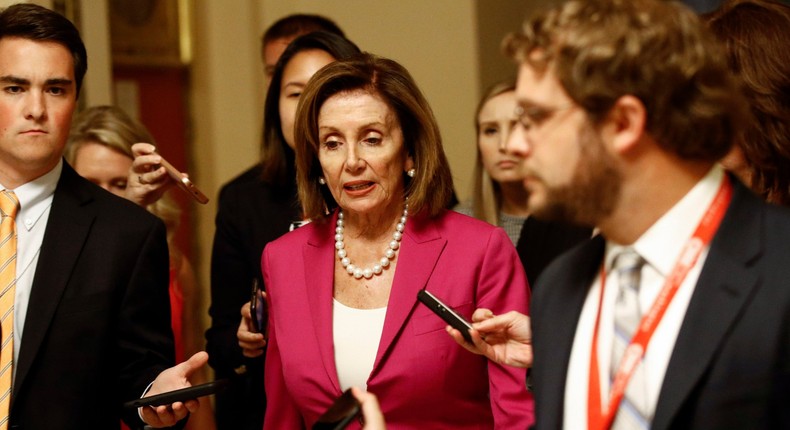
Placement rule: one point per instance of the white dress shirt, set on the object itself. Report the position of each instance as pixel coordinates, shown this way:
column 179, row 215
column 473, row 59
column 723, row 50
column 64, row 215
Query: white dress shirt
column 660, row 246
column 35, row 200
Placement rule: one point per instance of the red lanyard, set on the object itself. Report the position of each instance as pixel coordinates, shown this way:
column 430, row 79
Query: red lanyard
column 636, row 349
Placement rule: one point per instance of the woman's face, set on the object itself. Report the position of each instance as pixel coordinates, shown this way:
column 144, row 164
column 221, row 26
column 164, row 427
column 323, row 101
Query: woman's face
column 362, row 153
column 103, row 166
column 495, row 122
column 296, row 73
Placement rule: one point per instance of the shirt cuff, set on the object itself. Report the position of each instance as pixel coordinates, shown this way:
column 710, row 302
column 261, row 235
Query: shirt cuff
column 140, row 409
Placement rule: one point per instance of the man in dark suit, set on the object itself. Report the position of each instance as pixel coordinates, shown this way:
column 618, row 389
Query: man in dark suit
column 678, row 314
column 88, row 323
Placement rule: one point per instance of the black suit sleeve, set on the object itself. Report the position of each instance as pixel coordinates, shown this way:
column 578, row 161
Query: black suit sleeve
column 233, row 268
column 145, row 343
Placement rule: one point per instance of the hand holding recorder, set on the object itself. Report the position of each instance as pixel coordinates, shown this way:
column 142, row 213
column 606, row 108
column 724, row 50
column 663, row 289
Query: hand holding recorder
column 353, row 404
column 371, row 411
column 343, row 412
column 151, row 175
column 446, row 313
column 174, row 378
column 505, row 339
column 251, row 331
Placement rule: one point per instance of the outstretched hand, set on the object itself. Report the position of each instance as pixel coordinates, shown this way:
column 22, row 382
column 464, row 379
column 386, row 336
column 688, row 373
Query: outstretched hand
column 174, row 378
column 504, row 339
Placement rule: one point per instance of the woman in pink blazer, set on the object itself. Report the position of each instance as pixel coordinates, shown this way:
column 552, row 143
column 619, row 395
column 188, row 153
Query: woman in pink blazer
column 373, row 178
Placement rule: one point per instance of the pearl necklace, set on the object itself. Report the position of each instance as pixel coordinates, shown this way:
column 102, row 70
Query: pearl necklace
column 389, row 254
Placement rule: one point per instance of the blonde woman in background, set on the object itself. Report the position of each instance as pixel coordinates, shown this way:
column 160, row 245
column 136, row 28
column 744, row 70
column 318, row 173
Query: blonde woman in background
column 100, row 150
column 499, row 196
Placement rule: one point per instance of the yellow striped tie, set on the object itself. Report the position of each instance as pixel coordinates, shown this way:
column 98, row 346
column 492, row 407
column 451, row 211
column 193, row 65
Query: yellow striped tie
column 9, row 206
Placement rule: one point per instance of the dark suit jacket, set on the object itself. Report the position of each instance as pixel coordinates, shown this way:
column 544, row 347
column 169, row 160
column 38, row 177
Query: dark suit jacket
column 731, row 364
column 541, row 242
column 250, row 215
column 97, row 330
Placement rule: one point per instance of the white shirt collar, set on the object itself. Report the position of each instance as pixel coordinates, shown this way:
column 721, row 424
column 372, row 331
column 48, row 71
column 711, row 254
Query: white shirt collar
column 36, row 196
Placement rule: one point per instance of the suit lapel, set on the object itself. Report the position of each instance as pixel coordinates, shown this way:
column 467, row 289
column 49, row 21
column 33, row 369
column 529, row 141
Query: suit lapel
column 556, row 308
column 420, row 249
column 68, row 226
column 724, row 287
column 319, row 266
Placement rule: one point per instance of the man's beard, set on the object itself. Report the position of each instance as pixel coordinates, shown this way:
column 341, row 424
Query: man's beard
column 593, row 191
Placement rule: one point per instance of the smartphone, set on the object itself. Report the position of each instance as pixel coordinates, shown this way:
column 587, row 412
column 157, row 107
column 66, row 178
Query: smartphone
column 257, row 308
column 181, row 395
column 446, row 313
column 184, row 183
column 342, row 412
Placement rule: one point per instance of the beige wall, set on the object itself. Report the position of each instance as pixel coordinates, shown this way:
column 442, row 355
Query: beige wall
column 225, row 104
column 95, row 31
column 493, row 24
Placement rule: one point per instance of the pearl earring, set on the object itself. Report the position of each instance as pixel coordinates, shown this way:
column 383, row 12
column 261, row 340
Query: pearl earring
column 321, row 180
column 411, row 173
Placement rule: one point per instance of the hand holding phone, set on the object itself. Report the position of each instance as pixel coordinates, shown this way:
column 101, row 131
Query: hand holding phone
column 182, row 395
column 257, row 308
column 342, row 412
column 184, row 183
column 451, row 317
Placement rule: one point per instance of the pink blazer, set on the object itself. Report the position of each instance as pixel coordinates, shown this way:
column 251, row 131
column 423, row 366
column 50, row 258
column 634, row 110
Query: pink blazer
column 423, row 379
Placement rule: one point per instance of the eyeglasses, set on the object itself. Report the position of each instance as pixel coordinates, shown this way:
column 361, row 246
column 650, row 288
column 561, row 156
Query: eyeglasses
column 532, row 118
